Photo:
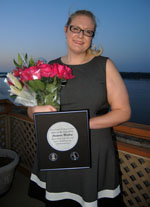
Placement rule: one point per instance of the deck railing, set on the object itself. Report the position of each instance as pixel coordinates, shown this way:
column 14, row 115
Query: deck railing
column 133, row 146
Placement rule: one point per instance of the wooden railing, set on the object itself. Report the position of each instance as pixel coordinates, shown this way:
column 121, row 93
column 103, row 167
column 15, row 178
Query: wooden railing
column 133, row 145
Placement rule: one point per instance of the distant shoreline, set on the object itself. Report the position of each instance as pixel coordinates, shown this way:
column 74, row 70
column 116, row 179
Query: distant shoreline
column 125, row 75
column 135, row 75
column 3, row 74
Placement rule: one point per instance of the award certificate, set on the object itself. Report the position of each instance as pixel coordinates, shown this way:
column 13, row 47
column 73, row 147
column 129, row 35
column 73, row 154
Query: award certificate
column 63, row 140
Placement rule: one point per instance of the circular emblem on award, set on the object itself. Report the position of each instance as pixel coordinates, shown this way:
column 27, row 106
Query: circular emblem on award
column 53, row 157
column 62, row 136
column 74, row 156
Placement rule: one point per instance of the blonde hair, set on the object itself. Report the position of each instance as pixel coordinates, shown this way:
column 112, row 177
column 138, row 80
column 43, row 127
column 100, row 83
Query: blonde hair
column 82, row 13
column 95, row 52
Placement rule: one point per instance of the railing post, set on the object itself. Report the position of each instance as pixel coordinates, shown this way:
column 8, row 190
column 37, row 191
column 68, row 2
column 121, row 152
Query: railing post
column 8, row 132
column 7, row 107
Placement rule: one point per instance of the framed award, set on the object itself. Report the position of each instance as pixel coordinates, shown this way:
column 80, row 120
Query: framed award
column 63, row 140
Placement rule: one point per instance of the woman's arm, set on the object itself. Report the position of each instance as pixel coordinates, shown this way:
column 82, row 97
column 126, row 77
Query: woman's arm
column 45, row 108
column 118, row 99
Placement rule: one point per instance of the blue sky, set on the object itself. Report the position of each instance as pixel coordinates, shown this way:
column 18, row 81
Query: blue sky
column 36, row 27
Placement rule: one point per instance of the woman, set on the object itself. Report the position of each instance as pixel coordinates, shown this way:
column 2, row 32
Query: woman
column 97, row 86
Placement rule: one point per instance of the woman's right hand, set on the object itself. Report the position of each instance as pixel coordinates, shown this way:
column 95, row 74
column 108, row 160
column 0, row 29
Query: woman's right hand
column 34, row 109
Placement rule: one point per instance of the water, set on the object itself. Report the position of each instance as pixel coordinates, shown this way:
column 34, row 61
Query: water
column 3, row 89
column 139, row 94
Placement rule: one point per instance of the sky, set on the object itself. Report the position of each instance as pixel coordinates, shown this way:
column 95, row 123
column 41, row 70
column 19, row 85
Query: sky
column 36, row 27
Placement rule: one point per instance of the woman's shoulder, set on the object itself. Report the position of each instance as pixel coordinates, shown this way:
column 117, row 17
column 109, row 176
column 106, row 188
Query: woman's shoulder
column 100, row 61
column 57, row 60
column 97, row 59
column 101, row 58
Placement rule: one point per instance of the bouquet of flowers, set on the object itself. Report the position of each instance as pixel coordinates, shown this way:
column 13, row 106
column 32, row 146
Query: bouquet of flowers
column 37, row 83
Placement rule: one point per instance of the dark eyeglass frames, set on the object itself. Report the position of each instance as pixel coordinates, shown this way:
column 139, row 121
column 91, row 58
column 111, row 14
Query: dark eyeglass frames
column 77, row 30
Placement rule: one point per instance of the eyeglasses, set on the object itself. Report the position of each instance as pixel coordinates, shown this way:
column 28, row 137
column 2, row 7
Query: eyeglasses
column 77, row 30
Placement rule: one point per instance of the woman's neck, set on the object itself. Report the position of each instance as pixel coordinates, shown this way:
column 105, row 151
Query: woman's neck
column 76, row 59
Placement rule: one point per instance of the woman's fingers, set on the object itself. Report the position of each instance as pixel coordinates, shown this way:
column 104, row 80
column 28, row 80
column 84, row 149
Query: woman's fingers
column 36, row 109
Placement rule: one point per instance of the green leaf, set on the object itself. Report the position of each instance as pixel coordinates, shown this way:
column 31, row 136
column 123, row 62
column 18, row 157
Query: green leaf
column 50, row 88
column 49, row 99
column 26, row 57
column 19, row 59
column 47, row 80
column 55, row 80
column 36, row 85
column 16, row 64
column 31, row 62
column 40, row 97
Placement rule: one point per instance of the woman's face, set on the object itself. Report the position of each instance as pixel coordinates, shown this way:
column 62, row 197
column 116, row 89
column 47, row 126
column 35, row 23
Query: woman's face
column 78, row 42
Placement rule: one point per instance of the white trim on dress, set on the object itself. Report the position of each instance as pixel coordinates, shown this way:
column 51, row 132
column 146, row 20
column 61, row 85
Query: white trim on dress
column 73, row 196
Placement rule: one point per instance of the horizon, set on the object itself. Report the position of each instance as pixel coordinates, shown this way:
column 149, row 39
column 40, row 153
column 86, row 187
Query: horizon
column 1, row 72
column 37, row 28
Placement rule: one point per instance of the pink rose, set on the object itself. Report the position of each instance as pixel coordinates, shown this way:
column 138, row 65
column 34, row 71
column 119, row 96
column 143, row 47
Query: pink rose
column 30, row 73
column 58, row 70
column 68, row 73
column 25, row 76
column 54, row 71
column 62, row 71
column 45, row 70
column 17, row 72
column 39, row 62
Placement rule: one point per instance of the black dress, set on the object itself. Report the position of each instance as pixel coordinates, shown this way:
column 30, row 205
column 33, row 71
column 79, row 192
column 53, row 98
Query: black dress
column 99, row 185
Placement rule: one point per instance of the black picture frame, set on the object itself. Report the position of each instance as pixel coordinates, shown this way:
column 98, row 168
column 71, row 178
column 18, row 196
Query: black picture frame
column 55, row 131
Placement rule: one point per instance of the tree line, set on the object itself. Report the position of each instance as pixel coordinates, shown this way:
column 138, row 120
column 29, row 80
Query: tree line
column 135, row 75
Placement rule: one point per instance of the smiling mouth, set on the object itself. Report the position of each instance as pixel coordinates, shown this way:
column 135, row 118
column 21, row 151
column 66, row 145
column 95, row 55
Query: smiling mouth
column 78, row 42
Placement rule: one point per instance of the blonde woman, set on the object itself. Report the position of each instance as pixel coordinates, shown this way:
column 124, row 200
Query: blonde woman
column 98, row 87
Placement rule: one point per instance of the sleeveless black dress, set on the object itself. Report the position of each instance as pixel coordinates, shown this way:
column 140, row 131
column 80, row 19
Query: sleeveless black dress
column 99, row 185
